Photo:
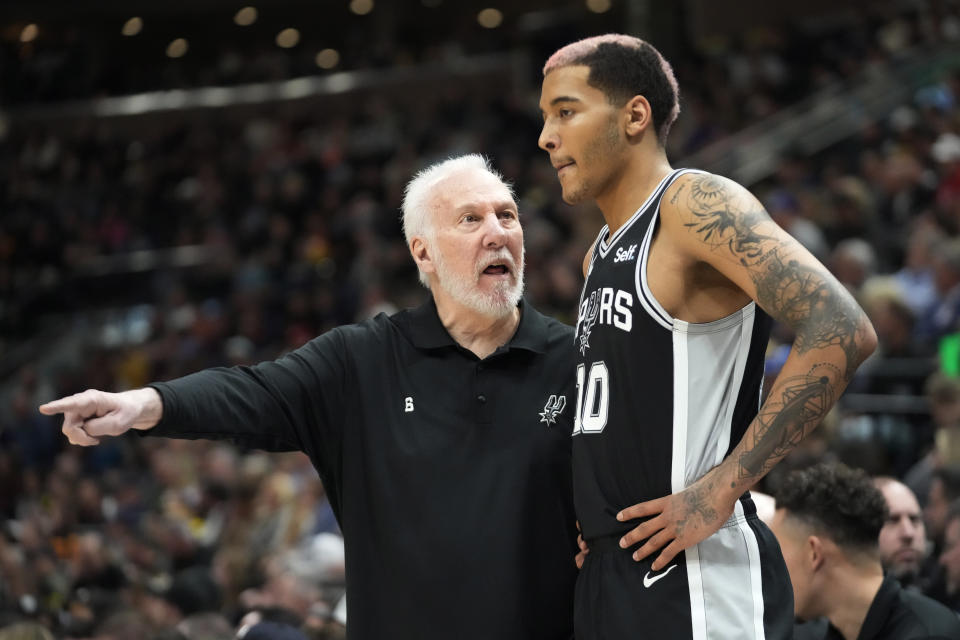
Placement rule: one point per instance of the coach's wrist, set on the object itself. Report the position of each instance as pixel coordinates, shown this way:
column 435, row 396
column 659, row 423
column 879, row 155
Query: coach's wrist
column 149, row 407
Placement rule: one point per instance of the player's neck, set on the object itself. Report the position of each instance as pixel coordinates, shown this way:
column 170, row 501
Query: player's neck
column 851, row 594
column 475, row 332
column 631, row 185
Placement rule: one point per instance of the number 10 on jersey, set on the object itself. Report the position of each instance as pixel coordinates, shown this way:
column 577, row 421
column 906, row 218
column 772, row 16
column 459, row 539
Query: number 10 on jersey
column 591, row 415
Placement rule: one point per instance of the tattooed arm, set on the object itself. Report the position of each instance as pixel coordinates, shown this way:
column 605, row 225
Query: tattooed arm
column 716, row 221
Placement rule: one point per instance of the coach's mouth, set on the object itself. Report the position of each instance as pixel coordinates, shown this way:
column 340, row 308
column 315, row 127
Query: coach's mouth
column 497, row 269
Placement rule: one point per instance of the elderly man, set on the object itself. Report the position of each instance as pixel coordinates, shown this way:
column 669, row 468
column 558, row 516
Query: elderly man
column 903, row 537
column 828, row 522
column 442, row 433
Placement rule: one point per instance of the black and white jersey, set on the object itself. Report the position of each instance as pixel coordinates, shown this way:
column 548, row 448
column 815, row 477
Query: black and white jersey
column 661, row 401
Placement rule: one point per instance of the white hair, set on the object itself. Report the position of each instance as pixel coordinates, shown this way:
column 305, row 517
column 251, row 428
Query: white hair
column 420, row 194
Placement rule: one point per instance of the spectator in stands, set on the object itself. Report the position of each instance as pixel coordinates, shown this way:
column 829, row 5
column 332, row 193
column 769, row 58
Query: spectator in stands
column 785, row 211
column 828, row 522
column 899, row 366
column 853, row 261
column 891, row 317
column 944, row 316
column 944, row 489
column 915, row 278
column 943, row 396
column 903, row 537
column 950, row 556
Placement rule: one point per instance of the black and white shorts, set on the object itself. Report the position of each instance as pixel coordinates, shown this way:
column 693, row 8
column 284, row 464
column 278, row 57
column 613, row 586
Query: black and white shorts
column 734, row 585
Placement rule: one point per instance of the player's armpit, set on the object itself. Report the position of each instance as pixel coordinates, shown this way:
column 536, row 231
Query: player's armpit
column 719, row 222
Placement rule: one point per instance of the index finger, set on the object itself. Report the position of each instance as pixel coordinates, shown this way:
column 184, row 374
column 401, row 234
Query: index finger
column 59, row 406
column 84, row 403
column 648, row 508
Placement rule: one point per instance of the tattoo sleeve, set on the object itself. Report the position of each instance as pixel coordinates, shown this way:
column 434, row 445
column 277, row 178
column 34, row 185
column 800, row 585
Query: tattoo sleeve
column 819, row 309
column 782, row 423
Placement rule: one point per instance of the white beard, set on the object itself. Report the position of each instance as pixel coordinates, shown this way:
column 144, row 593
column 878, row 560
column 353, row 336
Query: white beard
column 463, row 289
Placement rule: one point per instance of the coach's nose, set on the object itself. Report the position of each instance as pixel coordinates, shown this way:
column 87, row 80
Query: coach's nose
column 494, row 233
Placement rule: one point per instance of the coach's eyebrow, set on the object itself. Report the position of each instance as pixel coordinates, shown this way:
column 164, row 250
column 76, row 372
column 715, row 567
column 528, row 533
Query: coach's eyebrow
column 498, row 205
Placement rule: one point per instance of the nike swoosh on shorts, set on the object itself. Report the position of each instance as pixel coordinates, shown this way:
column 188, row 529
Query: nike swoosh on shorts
column 648, row 580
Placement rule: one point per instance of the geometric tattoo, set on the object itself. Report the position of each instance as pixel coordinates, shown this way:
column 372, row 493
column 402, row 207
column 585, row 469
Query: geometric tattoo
column 783, row 422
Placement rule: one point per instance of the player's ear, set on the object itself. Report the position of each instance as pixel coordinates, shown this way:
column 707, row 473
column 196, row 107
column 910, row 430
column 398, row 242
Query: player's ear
column 814, row 552
column 638, row 116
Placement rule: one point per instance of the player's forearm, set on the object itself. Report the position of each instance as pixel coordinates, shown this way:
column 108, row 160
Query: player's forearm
column 807, row 388
column 833, row 336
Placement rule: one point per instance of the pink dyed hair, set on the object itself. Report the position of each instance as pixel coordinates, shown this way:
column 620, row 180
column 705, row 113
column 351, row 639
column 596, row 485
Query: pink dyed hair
column 574, row 53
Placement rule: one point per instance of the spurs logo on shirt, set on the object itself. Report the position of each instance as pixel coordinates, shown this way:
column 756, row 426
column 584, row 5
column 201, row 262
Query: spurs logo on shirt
column 589, row 310
column 553, row 408
column 604, row 306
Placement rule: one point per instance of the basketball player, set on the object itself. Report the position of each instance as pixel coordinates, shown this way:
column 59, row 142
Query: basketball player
column 441, row 433
column 681, row 285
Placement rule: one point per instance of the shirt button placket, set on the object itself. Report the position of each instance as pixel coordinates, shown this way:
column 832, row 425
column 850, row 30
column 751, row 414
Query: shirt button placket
column 483, row 407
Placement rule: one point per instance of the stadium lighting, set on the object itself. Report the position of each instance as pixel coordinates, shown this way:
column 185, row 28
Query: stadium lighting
column 490, row 18
column 132, row 27
column 328, row 59
column 178, row 48
column 598, row 6
column 288, row 38
column 29, row 33
column 246, row 16
column 361, row 7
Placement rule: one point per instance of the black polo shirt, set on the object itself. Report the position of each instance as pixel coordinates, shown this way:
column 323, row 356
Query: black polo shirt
column 894, row 614
column 450, row 475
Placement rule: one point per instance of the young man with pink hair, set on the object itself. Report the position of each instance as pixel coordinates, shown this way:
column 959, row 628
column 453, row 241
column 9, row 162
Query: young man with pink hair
column 682, row 285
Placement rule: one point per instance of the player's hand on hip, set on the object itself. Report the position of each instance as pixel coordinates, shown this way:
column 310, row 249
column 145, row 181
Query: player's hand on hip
column 676, row 522
column 584, row 549
column 90, row 415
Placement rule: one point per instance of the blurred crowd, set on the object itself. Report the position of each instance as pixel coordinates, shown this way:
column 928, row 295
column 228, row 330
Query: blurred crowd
column 272, row 227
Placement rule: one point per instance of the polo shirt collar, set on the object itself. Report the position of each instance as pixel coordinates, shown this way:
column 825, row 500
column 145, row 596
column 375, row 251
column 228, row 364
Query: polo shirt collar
column 427, row 332
column 884, row 603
